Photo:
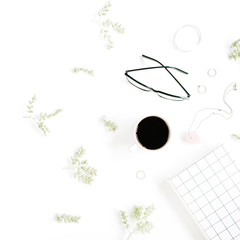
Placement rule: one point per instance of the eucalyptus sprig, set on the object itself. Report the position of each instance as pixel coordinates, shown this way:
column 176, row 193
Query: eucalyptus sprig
column 82, row 171
column 236, row 136
column 107, row 24
column 115, row 26
column 40, row 119
column 112, row 126
column 85, row 70
column 66, row 218
column 235, row 50
column 103, row 11
column 107, row 38
column 140, row 217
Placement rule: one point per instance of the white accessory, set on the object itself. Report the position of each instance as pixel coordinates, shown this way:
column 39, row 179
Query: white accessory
column 201, row 89
column 186, row 38
column 212, row 72
column 140, row 175
column 208, row 112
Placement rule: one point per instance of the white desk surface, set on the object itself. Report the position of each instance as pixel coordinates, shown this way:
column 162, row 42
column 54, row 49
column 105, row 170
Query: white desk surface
column 41, row 42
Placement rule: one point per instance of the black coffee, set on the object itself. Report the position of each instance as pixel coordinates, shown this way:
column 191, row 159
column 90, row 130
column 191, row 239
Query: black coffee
column 152, row 132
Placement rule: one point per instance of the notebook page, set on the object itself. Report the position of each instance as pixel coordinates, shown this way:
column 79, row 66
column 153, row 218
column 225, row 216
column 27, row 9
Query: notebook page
column 210, row 188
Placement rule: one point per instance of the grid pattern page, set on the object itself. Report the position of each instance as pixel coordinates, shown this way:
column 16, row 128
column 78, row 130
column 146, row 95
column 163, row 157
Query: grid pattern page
column 211, row 190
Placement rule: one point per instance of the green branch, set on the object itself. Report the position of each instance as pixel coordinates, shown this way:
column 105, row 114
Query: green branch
column 106, row 25
column 82, row 171
column 85, row 70
column 236, row 136
column 67, row 218
column 235, row 50
column 140, row 217
column 41, row 118
column 103, row 11
column 109, row 124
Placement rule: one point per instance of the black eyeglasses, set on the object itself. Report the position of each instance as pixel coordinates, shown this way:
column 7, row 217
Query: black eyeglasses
column 161, row 94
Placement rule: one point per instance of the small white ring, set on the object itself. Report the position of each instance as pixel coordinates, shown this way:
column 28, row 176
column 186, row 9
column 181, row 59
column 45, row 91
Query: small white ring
column 201, row 89
column 140, row 175
column 193, row 30
column 212, row 72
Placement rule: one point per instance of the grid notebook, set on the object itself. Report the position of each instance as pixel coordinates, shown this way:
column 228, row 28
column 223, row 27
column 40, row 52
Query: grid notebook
column 210, row 188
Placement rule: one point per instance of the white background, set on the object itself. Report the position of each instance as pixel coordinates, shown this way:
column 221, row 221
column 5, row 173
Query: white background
column 40, row 43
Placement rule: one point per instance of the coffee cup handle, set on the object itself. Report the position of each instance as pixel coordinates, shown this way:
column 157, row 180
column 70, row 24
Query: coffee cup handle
column 134, row 147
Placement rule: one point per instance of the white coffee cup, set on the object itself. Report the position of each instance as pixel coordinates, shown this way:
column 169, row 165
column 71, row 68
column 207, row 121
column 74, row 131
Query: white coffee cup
column 151, row 133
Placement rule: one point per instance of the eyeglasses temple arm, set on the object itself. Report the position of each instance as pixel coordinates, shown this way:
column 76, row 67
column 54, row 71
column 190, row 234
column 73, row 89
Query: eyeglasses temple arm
column 169, row 73
column 147, row 68
column 163, row 65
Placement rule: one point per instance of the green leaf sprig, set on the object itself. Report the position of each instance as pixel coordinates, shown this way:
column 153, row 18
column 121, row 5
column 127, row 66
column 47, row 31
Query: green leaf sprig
column 140, row 217
column 40, row 119
column 112, row 126
column 66, row 218
column 107, row 24
column 107, row 37
column 235, row 50
column 236, row 136
column 82, row 171
column 115, row 26
column 103, row 11
column 85, row 70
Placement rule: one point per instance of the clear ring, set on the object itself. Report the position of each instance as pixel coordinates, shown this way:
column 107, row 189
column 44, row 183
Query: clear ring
column 212, row 72
column 186, row 38
column 201, row 89
column 140, row 175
